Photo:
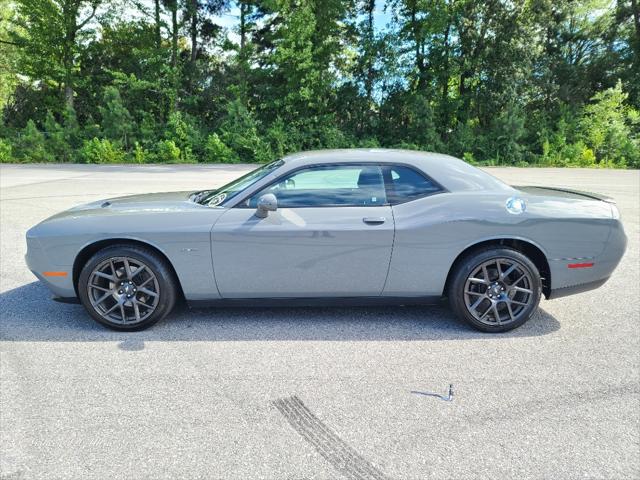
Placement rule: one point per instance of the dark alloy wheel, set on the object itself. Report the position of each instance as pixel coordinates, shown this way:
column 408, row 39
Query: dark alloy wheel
column 127, row 287
column 495, row 290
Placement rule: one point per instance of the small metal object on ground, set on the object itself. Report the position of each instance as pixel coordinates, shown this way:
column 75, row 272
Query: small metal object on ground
column 446, row 398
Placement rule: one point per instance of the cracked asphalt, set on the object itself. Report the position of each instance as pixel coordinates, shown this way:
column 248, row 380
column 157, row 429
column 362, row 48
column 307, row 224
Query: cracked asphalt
column 310, row 393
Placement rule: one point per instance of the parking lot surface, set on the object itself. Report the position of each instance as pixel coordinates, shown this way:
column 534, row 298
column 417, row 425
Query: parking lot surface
column 311, row 393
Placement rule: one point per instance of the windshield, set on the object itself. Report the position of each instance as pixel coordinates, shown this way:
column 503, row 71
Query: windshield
column 230, row 190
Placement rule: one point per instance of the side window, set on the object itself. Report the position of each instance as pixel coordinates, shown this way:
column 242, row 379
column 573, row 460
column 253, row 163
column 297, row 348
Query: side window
column 328, row 186
column 406, row 184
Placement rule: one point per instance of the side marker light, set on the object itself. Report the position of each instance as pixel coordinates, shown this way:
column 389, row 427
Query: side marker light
column 580, row 265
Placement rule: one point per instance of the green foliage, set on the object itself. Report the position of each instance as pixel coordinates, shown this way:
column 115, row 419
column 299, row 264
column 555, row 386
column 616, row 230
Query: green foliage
column 607, row 126
column 501, row 83
column 184, row 133
column 567, row 155
column 30, row 145
column 101, row 151
column 56, row 143
column 62, row 140
column 239, row 131
column 469, row 158
column 281, row 140
column 10, row 54
column 168, row 152
column 116, row 120
column 141, row 155
column 506, row 132
column 5, row 151
column 218, row 152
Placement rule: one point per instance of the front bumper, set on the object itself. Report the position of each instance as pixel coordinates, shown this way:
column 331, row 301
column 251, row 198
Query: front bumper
column 42, row 267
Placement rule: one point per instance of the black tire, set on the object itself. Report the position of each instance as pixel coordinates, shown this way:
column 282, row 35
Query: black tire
column 507, row 299
column 157, row 277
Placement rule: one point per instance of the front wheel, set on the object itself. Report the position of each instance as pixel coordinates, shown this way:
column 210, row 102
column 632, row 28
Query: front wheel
column 495, row 289
column 127, row 287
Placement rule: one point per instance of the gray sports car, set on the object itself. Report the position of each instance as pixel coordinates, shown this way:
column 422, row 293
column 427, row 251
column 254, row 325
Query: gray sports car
column 339, row 226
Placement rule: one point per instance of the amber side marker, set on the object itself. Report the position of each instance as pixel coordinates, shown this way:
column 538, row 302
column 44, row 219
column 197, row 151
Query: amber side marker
column 580, row 265
column 54, row 274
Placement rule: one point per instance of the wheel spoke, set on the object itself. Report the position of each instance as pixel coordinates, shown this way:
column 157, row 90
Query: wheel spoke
column 508, row 304
column 102, row 289
column 116, row 305
column 105, row 275
column 485, row 312
column 478, row 280
column 520, row 289
column 103, row 298
column 127, row 268
column 140, row 302
column 113, row 270
column 122, row 313
column 469, row 292
column 477, row 303
column 147, row 292
column 136, row 310
column 145, row 282
column 508, row 271
column 496, row 313
column 485, row 272
column 138, row 271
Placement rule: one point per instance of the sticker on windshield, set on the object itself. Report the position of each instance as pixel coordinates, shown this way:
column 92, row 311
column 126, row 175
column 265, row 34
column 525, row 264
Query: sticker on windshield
column 217, row 199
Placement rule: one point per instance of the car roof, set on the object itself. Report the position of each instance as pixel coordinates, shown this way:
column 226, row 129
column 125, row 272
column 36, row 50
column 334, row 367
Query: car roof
column 451, row 172
column 375, row 155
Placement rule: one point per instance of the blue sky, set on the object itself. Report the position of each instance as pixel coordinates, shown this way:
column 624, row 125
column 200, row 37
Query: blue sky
column 231, row 19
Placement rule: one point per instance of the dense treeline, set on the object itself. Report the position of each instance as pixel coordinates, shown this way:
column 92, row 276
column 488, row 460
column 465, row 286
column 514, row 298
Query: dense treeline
column 546, row 82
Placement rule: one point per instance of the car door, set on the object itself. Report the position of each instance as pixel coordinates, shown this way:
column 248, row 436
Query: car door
column 331, row 235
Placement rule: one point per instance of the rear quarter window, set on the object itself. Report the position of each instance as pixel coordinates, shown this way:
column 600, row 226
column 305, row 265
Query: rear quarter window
column 405, row 184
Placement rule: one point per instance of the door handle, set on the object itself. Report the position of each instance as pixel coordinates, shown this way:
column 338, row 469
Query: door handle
column 374, row 220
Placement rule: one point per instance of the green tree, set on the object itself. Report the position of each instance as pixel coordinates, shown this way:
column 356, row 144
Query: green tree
column 239, row 131
column 8, row 59
column 164, row 80
column 217, row 151
column 610, row 127
column 30, row 145
column 51, row 36
column 116, row 119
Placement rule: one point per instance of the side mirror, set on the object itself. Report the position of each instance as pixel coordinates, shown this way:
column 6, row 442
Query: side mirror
column 266, row 203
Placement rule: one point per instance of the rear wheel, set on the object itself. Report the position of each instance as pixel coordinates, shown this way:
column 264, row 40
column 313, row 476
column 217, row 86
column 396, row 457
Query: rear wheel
column 127, row 287
column 495, row 289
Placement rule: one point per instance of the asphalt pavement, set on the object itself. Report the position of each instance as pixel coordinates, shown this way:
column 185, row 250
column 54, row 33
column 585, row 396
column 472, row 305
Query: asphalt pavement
column 311, row 393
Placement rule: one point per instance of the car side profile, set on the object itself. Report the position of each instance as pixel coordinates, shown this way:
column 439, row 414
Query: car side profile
column 336, row 226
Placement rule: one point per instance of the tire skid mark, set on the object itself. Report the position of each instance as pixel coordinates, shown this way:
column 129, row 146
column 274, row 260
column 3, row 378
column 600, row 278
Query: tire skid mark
column 326, row 442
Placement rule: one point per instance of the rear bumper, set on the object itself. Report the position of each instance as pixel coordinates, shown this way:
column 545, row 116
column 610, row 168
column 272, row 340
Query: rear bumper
column 568, row 281
column 584, row 287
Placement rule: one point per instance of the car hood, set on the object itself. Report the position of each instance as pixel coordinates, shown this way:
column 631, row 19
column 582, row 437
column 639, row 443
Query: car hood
column 145, row 201
column 133, row 204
